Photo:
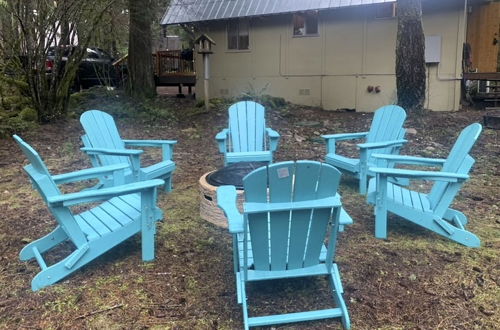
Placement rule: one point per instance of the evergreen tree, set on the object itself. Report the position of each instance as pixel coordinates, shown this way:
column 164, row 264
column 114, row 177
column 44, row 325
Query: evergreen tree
column 410, row 57
column 140, row 61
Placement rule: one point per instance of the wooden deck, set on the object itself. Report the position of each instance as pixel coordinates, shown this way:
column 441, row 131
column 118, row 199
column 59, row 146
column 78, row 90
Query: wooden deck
column 173, row 69
column 491, row 76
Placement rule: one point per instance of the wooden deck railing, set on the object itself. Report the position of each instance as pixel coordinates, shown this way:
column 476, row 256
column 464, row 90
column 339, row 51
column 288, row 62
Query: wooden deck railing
column 170, row 62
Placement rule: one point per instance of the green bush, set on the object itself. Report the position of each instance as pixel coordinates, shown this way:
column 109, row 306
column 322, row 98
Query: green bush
column 16, row 109
column 200, row 103
column 28, row 114
column 119, row 105
column 273, row 102
column 13, row 125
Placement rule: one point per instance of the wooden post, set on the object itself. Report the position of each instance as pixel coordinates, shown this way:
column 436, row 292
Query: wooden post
column 205, row 47
column 206, row 64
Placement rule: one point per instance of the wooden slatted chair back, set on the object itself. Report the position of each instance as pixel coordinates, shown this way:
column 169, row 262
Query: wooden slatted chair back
column 37, row 171
column 284, row 236
column 387, row 125
column 43, row 182
column 247, row 127
column 459, row 161
column 101, row 132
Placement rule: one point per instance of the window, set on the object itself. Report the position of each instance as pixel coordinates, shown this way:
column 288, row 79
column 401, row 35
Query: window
column 238, row 34
column 305, row 24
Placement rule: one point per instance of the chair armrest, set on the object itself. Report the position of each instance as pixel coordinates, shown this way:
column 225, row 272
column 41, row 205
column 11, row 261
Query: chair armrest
column 274, row 138
column 410, row 160
column 272, row 133
column 101, row 194
column 345, row 218
column 148, row 143
column 166, row 145
column 111, row 152
column 226, row 200
column 333, row 138
column 346, row 136
column 422, row 175
column 133, row 154
column 222, row 135
column 89, row 173
column 221, row 138
column 383, row 144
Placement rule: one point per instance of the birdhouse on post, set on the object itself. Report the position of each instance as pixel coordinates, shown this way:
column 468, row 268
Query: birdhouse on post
column 204, row 44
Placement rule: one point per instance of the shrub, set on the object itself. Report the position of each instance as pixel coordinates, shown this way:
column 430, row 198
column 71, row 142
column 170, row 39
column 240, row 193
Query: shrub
column 28, row 114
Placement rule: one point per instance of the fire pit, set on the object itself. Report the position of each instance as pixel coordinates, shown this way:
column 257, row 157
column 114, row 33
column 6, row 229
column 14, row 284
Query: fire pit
column 232, row 174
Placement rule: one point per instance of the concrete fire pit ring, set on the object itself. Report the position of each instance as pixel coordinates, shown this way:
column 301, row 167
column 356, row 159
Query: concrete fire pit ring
column 209, row 210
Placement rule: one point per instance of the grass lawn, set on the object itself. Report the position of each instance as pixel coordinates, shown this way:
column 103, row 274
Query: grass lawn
column 415, row 279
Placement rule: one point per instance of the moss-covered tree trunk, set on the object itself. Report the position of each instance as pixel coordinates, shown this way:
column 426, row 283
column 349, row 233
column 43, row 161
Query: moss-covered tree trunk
column 140, row 61
column 410, row 57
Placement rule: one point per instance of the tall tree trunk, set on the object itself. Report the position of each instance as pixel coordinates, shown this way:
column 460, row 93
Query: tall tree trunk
column 410, row 57
column 140, row 61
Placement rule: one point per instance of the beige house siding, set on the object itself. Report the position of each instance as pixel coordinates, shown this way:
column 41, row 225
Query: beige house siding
column 353, row 50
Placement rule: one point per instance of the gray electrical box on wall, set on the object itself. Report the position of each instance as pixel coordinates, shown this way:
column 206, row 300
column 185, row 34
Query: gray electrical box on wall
column 432, row 49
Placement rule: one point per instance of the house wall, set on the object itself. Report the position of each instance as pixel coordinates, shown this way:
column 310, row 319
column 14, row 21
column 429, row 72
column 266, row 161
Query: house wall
column 332, row 70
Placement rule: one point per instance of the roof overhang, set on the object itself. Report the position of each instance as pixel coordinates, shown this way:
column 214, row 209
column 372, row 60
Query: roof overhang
column 191, row 11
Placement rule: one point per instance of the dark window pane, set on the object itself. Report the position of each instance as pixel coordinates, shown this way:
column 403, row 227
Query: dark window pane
column 244, row 27
column 238, row 34
column 312, row 23
column 232, row 35
column 243, row 42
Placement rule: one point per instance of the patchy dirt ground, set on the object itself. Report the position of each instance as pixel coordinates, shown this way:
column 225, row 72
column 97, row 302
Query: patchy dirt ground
column 415, row 279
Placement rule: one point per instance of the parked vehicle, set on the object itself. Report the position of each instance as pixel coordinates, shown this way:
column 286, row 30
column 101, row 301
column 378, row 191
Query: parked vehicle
column 96, row 67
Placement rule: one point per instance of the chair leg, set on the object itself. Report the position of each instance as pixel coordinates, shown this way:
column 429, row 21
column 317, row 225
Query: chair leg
column 381, row 208
column 244, row 302
column 452, row 231
column 50, row 275
column 363, row 172
column 56, row 237
column 168, row 183
column 148, row 225
column 56, row 272
column 337, row 296
column 236, row 254
column 450, row 214
column 362, row 183
column 381, row 222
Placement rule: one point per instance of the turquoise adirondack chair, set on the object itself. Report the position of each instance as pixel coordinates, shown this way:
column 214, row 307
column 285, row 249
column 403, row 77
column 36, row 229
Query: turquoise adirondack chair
column 431, row 211
column 124, row 211
column 247, row 138
column 386, row 136
column 285, row 236
column 103, row 144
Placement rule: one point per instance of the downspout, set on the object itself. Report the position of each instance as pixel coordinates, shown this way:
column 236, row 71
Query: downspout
column 457, row 48
column 457, row 55
column 323, row 57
